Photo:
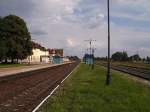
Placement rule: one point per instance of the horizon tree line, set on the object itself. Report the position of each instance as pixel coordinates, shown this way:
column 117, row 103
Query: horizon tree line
column 123, row 56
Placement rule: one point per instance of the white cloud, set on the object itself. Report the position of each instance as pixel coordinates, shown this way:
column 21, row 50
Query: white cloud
column 71, row 42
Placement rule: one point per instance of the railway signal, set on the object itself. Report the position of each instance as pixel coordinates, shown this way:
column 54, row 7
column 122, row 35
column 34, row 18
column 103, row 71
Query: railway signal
column 108, row 76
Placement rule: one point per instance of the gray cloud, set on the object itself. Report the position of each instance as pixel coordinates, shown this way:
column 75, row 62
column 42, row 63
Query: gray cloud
column 87, row 13
column 21, row 8
column 38, row 32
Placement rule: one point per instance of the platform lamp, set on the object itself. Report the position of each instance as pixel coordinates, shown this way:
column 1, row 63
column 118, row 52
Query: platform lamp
column 108, row 76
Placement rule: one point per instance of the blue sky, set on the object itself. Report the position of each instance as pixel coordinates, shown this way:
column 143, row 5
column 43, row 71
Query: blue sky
column 67, row 23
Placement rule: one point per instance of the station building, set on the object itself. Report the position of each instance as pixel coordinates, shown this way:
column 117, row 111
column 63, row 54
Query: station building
column 38, row 57
column 42, row 55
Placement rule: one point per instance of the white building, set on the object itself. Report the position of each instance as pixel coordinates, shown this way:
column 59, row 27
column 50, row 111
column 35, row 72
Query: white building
column 38, row 56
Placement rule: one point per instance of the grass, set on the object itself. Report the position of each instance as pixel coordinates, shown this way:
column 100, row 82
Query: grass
column 12, row 65
column 85, row 91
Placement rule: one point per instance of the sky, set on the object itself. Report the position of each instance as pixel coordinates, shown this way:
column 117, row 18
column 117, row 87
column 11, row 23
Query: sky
column 68, row 23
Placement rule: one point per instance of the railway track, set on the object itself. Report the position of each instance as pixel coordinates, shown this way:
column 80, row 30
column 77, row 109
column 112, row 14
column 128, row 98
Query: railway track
column 136, row 71
column 23, row 92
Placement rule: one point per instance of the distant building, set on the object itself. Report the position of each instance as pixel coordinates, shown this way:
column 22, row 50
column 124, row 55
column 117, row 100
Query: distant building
column 56, row 55
column 88, row 59
column 66, row 59
column 54, row 52
column 57, row 59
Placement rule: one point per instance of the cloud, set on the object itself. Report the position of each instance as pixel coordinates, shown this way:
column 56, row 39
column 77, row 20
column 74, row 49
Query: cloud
column 67, row 23
column 38, row 32
column 131, row 9
column 89, row 16
column 21, row 8
column 71, row 42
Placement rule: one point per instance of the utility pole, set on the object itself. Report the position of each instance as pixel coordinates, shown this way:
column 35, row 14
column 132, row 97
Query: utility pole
column 108, row 77
column 93, row 51
column 86, row 52
column 90, row 42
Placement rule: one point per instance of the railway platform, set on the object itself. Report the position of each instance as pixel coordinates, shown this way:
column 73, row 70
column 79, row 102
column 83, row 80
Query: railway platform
column 15, row 70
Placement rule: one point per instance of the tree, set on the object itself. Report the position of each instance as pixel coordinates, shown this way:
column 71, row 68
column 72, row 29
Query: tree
column 3, row 47
column 101, row 58
column 18, row 39
column 117, row 56
column 144, row 60
column 135, row 57
column 120, row 56
column 124, row 56
column 148, row 59
column 37, row 45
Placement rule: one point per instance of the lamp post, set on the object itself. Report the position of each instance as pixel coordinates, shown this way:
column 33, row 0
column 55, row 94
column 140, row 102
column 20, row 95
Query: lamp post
column 108, row 76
